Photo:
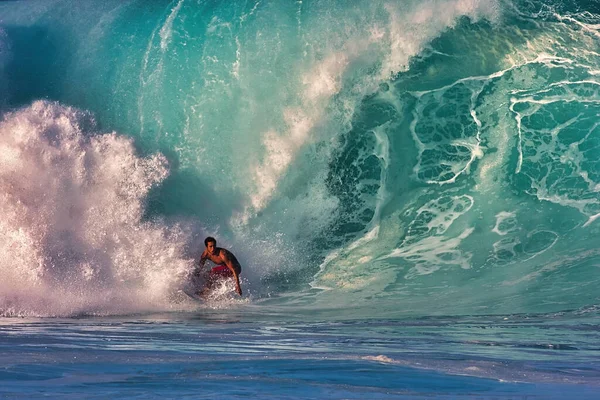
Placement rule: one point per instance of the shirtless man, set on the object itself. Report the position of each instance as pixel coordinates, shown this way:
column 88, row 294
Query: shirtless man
column 227, row 265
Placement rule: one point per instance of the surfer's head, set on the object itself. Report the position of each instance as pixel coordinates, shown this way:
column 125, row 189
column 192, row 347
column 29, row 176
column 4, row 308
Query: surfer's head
column 211, row 244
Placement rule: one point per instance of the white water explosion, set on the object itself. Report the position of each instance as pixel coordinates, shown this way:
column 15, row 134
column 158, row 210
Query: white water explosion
column 72, row 235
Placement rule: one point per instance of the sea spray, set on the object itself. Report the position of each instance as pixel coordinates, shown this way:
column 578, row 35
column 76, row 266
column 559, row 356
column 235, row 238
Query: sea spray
column 73, row 237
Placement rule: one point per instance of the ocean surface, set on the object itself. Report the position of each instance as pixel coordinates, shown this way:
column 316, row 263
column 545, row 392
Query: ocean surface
column 412, row 188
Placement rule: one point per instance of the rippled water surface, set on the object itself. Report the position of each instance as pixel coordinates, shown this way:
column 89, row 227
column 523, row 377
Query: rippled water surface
column 240, row 355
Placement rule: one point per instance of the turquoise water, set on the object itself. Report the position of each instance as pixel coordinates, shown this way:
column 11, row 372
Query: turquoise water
column 385, row 161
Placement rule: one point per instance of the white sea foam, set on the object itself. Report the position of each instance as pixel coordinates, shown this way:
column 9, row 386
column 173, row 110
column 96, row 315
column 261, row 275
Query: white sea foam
column 410, row 30
column 381, row 359
column 505, row 249
column 166, row 32
column 426, row 244
column 73, row 238
column 505, row 223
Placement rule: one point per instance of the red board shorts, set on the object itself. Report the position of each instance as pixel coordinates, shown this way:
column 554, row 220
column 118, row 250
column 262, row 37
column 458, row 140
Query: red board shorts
column 220, row 271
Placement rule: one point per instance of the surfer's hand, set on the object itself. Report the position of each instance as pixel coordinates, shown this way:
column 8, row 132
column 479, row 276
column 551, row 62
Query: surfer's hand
column 238, row 289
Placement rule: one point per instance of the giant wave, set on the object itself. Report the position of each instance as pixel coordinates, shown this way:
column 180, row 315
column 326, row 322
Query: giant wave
column 380, row 159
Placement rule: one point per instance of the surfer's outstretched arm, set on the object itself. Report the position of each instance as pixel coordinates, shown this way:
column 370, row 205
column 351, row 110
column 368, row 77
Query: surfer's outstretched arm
column 229, row 265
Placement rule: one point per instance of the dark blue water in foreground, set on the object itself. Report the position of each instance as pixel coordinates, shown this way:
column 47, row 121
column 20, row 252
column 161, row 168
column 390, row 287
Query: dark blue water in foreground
column 215, row 354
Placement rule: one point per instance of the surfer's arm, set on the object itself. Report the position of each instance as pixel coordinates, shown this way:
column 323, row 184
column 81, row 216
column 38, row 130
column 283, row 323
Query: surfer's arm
column 201, row 262
column 197, row 271
column 203, row 259
column 229, row 265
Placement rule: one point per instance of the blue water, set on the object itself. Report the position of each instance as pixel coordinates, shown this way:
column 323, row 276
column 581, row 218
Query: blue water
column 231, row 355
column 412, row 188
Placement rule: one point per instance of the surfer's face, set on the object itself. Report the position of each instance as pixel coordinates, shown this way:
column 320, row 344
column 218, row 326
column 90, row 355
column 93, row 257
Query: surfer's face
column 211, row 247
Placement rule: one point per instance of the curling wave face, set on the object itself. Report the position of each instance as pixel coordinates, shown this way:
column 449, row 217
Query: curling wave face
column 434, row 156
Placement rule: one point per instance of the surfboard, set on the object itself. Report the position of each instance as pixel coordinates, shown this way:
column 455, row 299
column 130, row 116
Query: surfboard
column 193, row 293
column 187, row 291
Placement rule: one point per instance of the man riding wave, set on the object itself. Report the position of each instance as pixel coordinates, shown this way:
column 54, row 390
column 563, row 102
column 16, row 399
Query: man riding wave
column 227, row 265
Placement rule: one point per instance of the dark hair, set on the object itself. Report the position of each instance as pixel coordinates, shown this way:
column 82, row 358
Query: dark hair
column 210, row 239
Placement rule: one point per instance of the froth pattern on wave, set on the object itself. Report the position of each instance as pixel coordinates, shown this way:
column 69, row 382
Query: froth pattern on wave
column 388, row 32
column 446, row 130
column 431, row 242
column 505, row 222
column 426, row 246
column 521, row 247
column 72, row 234
column 518, row 244
column 559, row 137
column 357, row 169
column 470, row 125
column 357, row 177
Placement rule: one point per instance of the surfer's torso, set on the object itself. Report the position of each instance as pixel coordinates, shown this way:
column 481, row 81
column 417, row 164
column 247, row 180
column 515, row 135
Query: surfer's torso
column 219, row 257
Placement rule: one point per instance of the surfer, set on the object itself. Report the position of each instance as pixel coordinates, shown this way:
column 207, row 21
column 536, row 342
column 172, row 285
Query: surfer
column 227, row 265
